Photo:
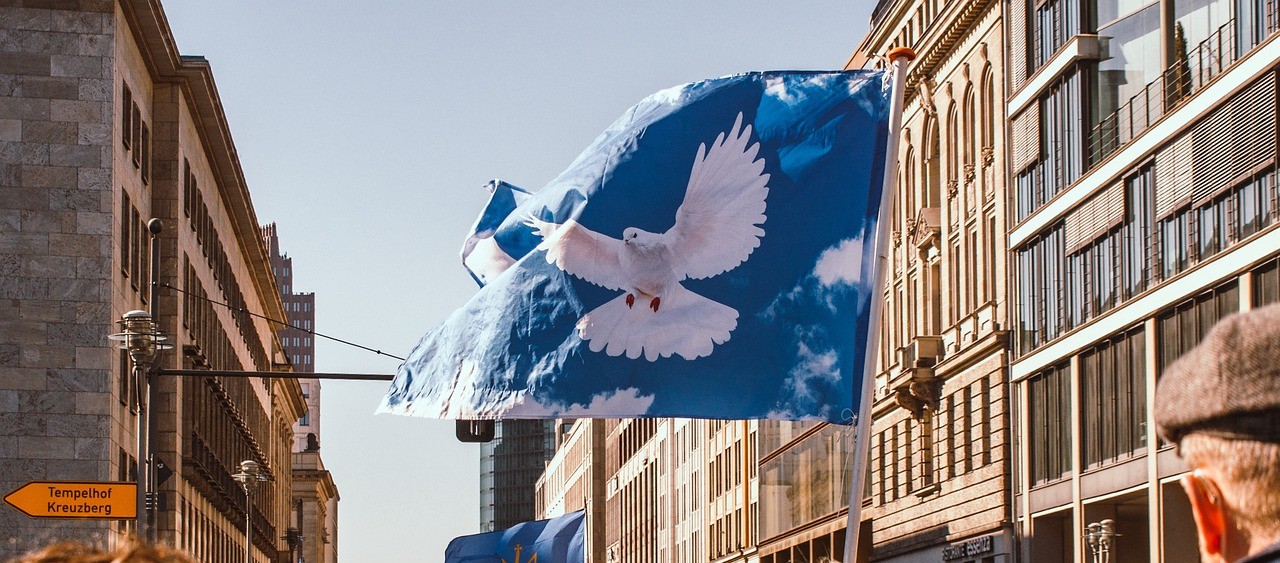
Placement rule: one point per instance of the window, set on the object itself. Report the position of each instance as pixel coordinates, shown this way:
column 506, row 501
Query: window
column 1049, row 394
column 1185, row 324
column 989, row 109
column 1041, row 267
column 1061, row 159
column 953, row 145
column 1266, row 283
column 1211, row 227
column 1130, row 61
column 933, row 180
column 990, row 257
column 1113, row 399
column 1139, row 217
column 1174, row 243
column 146, row 153
column 126, row 233
column 1197, row 20
column 970, row 142
column 966, row 427
column 1054, row 23
column 135, row 257
column 971, row 280
column 126, row 118
column 1255, row 204
column 136, row 128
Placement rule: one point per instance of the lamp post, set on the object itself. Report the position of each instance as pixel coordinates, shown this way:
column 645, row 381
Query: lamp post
column 1101, row 536
column 249, row 476
column 142, row 339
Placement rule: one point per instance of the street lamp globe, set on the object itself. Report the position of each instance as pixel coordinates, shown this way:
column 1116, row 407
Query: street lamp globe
column 249, row 476
column 140, row 336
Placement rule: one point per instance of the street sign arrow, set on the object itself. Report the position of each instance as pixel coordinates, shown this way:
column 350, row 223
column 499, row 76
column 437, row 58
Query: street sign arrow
column 103, row 500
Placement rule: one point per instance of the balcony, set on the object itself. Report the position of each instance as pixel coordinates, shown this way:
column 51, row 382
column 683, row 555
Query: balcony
column 1188, row 74
column 971, row 328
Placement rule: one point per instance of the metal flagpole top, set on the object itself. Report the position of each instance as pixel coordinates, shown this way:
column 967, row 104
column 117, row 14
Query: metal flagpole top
column 901, row 52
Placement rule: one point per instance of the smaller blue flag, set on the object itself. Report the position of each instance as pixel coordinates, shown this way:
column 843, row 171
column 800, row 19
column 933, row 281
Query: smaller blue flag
column 558, row 540
column 483, row 258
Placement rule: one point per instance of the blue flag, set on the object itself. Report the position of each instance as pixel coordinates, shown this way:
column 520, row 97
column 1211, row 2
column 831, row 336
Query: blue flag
column 483, row 258
column 558, row 540
column 710, row 255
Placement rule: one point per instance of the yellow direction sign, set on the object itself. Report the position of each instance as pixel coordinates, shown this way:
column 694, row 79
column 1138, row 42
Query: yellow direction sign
column 76, row 499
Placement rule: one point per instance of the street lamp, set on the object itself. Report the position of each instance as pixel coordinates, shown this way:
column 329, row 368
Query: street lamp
column 249, row 476
column 142, row 339
column 1101, row 536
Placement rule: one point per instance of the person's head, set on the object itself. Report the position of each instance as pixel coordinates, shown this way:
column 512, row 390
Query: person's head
column 132, row 551
column 1220, row 403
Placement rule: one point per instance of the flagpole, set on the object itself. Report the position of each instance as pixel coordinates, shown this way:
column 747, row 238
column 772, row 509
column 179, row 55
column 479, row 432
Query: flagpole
column 899, row 58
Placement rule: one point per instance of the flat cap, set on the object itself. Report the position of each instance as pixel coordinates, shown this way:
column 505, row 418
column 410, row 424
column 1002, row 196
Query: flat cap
column 1228, row 386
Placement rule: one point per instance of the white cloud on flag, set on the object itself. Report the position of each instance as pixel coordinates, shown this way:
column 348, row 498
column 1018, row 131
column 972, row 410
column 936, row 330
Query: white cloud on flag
column 840, row 264
column 621, row 402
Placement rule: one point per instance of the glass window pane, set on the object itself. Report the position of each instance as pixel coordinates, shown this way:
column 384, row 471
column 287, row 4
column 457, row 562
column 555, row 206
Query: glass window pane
column 1131, row 60
column 1109, row 10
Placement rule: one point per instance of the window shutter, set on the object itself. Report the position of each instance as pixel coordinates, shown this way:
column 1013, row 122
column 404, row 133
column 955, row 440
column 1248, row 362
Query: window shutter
column 1018, row 26
column 1173, row 176
column 1095, row 217
column 1026, row 137
column 1228, row 144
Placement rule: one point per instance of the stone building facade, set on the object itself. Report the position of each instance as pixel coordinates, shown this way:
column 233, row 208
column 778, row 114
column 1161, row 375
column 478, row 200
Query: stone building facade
column 940, row 455
column 103, row 125
column 315, row 509
column 574, row 480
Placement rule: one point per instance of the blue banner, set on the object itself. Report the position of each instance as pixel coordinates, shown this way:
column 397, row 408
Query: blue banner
column 558, row 540
column 710, row 255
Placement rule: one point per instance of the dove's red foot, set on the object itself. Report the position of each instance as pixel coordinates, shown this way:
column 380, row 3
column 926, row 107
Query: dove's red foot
column 654, row 304
column 631, row 300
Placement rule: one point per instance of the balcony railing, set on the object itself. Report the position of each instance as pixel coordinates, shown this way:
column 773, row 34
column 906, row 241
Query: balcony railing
column 1187, row 75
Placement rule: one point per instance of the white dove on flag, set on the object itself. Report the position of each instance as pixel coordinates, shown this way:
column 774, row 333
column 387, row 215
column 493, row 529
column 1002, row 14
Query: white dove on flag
column 717, row 227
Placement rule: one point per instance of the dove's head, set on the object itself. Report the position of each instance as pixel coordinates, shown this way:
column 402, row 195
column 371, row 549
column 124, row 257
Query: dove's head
column 640, row 240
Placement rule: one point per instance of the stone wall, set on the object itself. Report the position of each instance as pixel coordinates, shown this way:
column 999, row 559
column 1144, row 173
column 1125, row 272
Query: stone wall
column 56, row 255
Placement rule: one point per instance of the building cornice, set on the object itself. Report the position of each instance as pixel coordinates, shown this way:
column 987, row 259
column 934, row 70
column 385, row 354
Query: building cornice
column 152, row 33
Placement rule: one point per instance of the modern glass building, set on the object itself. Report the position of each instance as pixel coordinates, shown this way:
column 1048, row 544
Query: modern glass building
column 1143, row 154
column 509, row 469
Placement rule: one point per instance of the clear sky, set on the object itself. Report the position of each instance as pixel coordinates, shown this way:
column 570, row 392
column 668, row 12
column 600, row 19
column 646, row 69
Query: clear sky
column 367, row 130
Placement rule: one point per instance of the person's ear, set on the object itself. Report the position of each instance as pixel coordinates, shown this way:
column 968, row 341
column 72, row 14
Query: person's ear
column 1207, row 509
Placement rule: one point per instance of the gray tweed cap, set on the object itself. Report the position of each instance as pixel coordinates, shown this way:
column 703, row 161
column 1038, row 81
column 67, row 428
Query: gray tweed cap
column 1229, row 385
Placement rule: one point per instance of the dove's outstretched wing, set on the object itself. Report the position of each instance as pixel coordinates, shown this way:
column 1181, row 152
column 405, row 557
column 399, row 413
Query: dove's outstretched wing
column 589, row 255
column 717, row 225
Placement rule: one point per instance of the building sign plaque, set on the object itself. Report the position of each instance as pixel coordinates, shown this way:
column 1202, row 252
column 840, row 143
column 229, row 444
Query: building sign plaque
column 976, row 546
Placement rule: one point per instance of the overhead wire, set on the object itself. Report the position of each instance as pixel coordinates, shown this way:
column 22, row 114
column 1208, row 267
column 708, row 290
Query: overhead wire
column 279, row 322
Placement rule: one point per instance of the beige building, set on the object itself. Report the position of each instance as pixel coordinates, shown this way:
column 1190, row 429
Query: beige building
column 939, row 465
column 315, row 509
column 103, row 125
column 1145, row 210
column 678, row 490
column 575, row 479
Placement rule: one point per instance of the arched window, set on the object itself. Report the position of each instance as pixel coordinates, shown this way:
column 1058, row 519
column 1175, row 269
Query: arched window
column 989, row 109
column 908, row 184
column 970, row 124
column 933, row 164
column 953, row 154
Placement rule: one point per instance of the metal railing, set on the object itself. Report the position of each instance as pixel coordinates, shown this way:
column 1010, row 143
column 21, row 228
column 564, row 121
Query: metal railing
column 1189, row 73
